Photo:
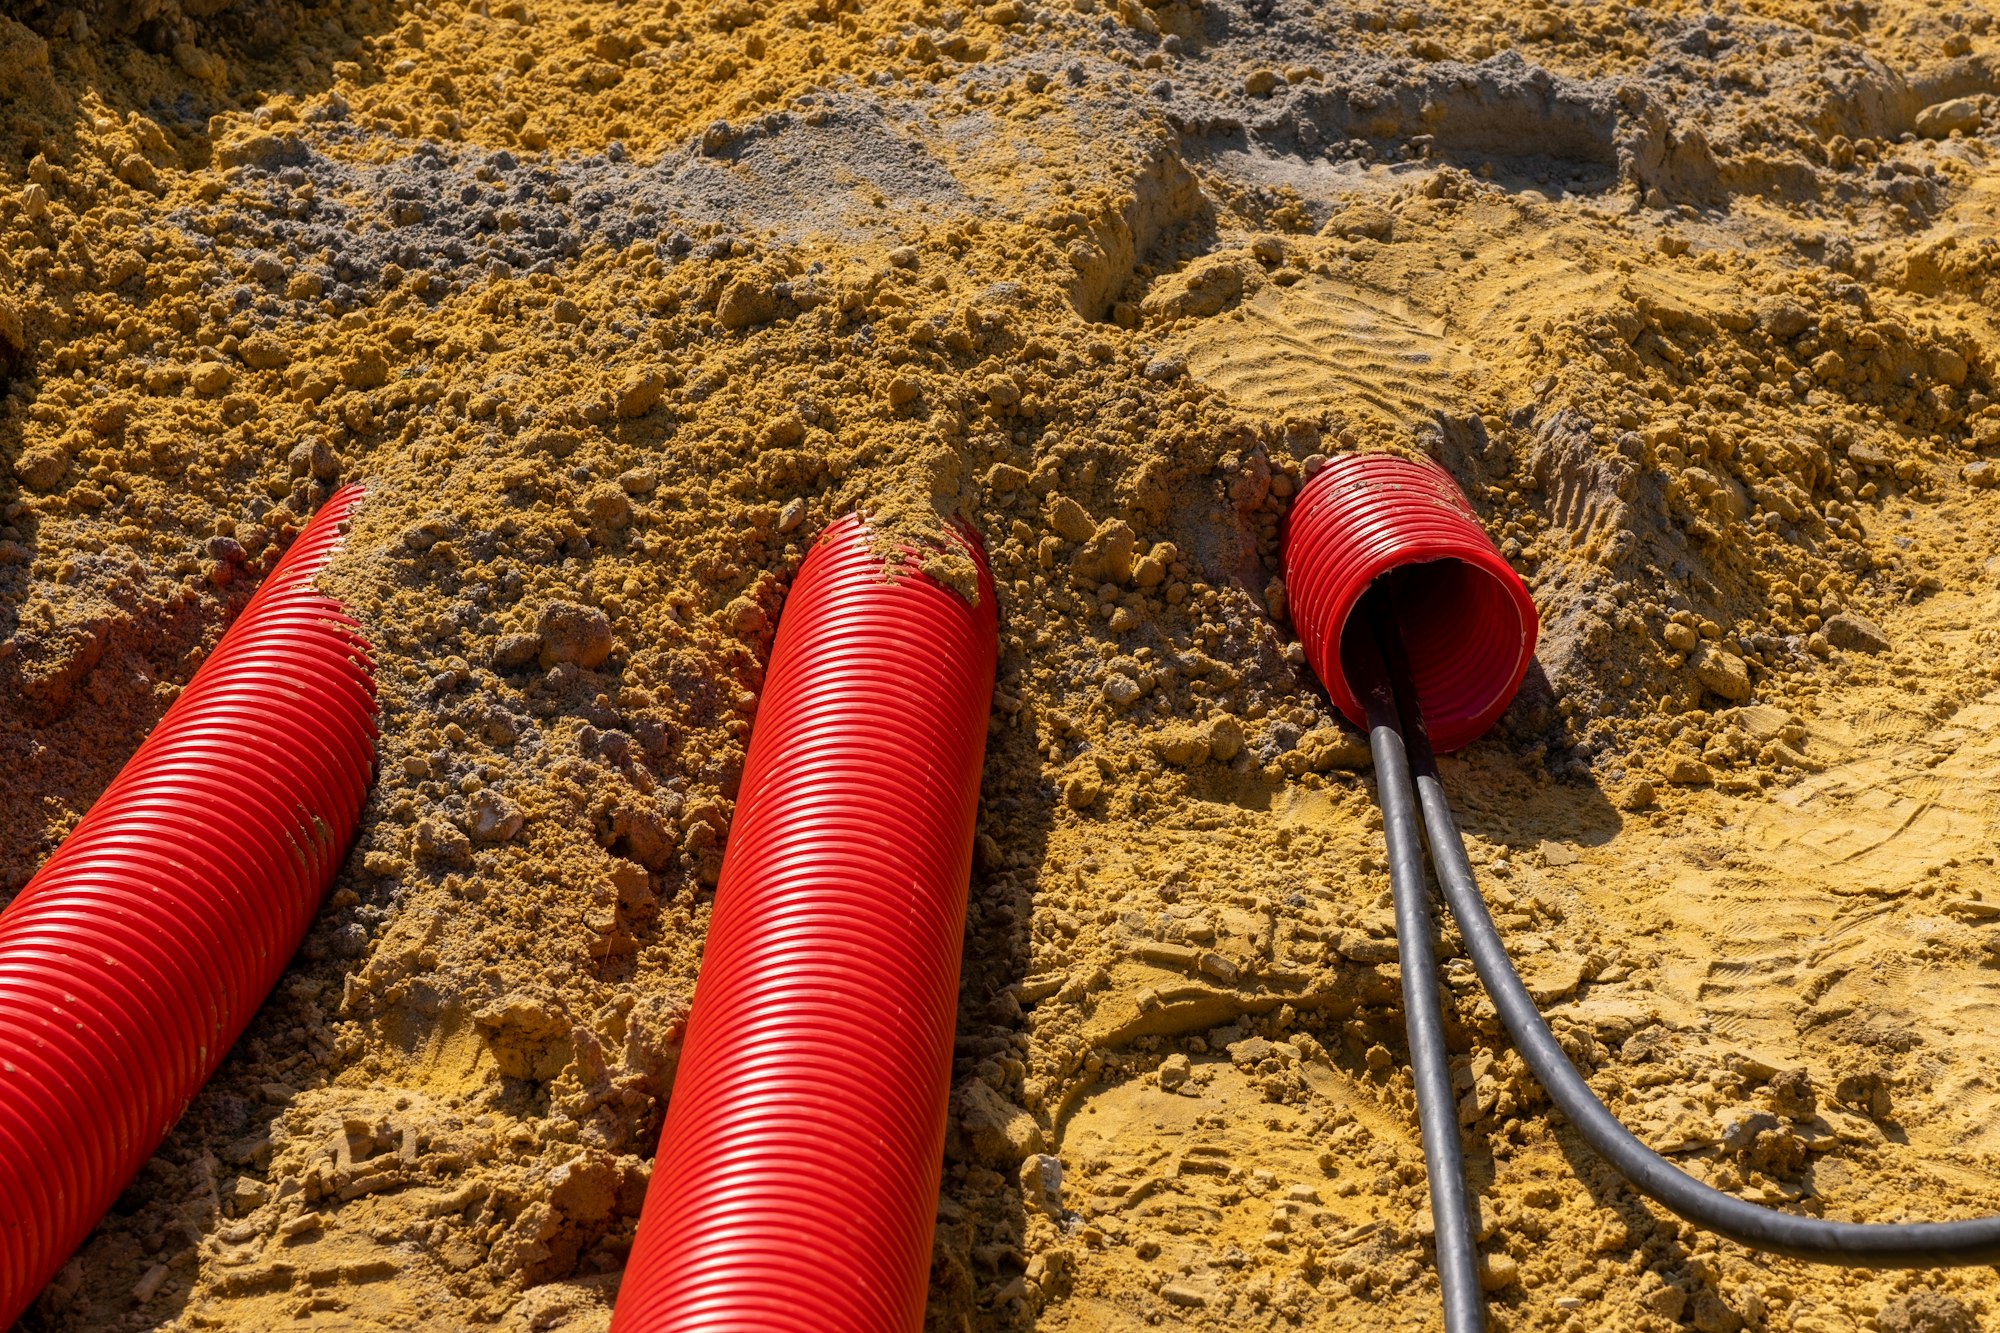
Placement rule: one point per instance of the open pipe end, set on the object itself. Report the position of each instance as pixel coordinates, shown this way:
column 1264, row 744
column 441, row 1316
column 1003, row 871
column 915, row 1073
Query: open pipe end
column 1379, row 526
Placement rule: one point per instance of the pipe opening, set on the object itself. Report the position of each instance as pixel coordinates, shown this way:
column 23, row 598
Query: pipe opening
column 1467, row 643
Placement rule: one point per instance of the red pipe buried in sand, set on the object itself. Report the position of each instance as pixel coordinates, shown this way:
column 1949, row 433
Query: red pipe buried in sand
column 135, row 957
column 1466, row 618
column 797, row 1178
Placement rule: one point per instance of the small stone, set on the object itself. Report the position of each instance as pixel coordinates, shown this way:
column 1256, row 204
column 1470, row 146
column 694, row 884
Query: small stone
column 300, row 1225
column 1723, row 672
column 637, row 396
column 1215, row 965
column 1183, row 747
column 1681, row 638
column 1983, row 474
column 1174, row 1072
column 1554, row 976
column 1000, row 1133
column 1081, row 791
column 1939, row 120
column 1783, row 319
column 1328, row 746
column 1121, row 691
column 494, row 818
column 263, row 351
column 516, row 650
column 1854, row 632
column 1762, row 722
column 1176, row 1293
column 209, row 377
column 1225, row 739
column 1041, row 1183
column 137, row 172
column 1107, row 556
column 1867, row 1093
column 1069, row 520
column 572, row 633
column 639, row 481
column 1687, row 771
column 783, row 431
column 1740, row 1130
column 1358, row 948
column 1869, row 456
column 1497, row 1272
column 744, row 303
column 1005, row 479
column 793, row 514
column 1640, row 795
column 1263, row 82
column 610, row 506
column 1713, row 1315
column 40, row 469
column 435, row 840
column 1792, row 1093
column 149, row 1286
column 247, row 1195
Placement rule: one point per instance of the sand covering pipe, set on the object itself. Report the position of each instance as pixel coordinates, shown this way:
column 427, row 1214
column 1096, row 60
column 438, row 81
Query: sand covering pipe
column 796, row 1183
column 134, row 958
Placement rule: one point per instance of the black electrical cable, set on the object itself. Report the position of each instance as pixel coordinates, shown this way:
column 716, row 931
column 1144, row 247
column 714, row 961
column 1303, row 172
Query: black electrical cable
column 1423, row 1012
column 1884, row 1245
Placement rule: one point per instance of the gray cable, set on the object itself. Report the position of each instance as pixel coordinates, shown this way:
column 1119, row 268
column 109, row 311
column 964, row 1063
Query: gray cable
column 1423, row 1014
column 1885, row 1245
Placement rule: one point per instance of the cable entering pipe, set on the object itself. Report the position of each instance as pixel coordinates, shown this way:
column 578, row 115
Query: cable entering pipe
column 1423, row 1013
column 1887, row 1245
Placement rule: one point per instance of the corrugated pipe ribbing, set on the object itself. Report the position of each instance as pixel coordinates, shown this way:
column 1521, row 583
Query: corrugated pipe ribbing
column 1464, row 614
column 796, row 1182
column 133, row 959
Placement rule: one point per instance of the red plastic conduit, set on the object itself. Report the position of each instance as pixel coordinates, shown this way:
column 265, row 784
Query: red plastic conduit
column 796, row 1183
column 1466, row 618
column 133, row 959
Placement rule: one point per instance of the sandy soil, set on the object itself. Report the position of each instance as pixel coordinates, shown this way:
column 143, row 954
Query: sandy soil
column 613, row 309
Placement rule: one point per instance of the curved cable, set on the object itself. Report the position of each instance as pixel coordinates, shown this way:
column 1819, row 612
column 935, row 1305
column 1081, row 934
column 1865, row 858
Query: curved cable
column 1423, row 1013
column 1878, row 1244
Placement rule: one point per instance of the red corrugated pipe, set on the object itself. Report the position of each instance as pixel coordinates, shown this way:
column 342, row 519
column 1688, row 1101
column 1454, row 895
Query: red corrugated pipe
column 134, row 958
column 1465, row 616
column 797, row 1178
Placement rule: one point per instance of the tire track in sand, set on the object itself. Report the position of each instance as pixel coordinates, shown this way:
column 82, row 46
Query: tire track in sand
column 1320, row 341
